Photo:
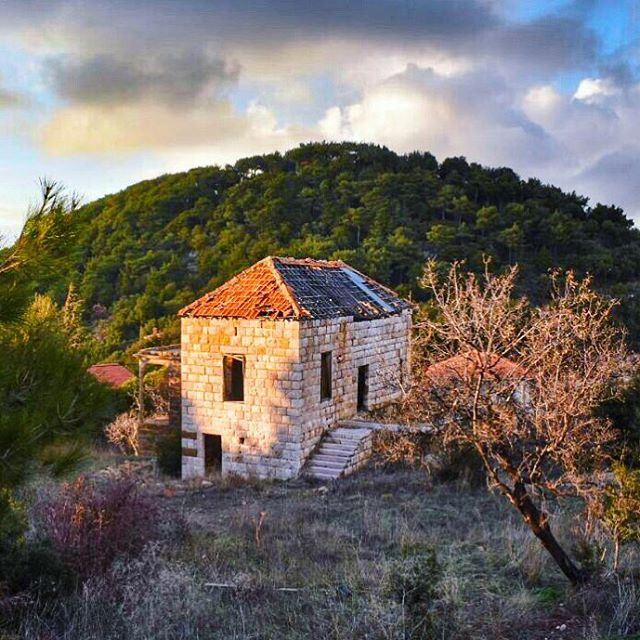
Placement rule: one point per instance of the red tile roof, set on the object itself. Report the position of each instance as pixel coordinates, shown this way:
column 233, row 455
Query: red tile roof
column 296, row 289
column 465, row 365
column 113, row 374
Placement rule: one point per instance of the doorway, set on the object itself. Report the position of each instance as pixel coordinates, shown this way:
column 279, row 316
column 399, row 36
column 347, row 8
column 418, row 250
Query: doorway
column 212, row 453
column 363, row 387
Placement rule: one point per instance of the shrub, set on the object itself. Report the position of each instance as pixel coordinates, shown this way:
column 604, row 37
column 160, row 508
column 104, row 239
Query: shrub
column 462, row 464
column 413, row 581
column 12, row 528
column 124, row 432
column 622, row 508
column 90, row 524
column 25, row 566
column 169, row 453
column 403, row 447
column 416, row 449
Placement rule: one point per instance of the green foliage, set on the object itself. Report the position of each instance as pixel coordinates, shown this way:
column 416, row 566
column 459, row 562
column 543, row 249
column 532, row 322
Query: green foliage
column 25, row 564
column 40, row 252
column 549, row 596
column 49, row 402
column 12, row 522
column 413, row 581
column 624, row 413
column 622, row 506
column 169, row 453
column 141, row 254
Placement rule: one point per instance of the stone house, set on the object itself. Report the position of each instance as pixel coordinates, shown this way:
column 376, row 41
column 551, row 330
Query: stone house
column 279, row 355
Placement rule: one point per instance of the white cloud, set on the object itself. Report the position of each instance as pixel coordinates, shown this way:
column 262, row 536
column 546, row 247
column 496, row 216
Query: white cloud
column 473, row 114
column 592, row 90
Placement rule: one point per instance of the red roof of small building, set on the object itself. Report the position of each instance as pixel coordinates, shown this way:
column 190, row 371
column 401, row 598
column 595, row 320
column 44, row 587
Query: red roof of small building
column 465, row 365
column 113, row 374
column 290, row 288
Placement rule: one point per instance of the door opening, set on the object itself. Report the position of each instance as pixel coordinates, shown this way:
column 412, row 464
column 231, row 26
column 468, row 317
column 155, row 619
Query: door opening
column 363, row 387
column 212, row 453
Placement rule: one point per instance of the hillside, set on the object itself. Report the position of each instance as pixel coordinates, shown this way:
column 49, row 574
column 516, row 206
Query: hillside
column 141, row 254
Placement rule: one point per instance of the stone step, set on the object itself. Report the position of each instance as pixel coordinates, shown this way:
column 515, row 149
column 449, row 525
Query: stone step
column 322, row 468
column 341, row 440
column 343, row 447
column 336, row 453
column 329, row 461
column 333, row 451
column 319, row 475
column 351, row 434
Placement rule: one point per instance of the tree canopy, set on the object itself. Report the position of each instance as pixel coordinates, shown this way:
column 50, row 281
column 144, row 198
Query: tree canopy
column 140, row 254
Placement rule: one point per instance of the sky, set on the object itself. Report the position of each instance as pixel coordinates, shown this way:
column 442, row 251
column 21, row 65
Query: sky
column 99, row 94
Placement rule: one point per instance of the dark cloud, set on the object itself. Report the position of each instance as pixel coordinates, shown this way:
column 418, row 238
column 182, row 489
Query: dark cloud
column 106, row 79
column 459, row 27
column 270, row 20
column 615, row 179
column 545, row 45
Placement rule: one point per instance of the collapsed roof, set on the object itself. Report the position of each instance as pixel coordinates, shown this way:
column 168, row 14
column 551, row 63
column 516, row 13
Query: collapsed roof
column 291, row 288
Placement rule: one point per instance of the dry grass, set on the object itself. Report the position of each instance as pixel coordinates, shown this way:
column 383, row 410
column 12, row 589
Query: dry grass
column 341, row 548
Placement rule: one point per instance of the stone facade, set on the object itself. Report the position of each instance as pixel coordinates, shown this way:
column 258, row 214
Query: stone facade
column 383, row 344
column 282, row 417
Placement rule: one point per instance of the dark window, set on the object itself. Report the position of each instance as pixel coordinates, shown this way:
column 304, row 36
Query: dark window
column 363, row 387
column 325, row 375
column 212, row 453
column 233, row 378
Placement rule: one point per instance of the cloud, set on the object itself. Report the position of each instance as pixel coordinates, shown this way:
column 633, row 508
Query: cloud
column 578, row 142
column 99, row 129
column 592, row 90
column 474, row 114
column 614, row 178
column 107, row 79
column 233, row 20
column 10, row 99
column 253, row 31
column 456, row 77
column 548, row 44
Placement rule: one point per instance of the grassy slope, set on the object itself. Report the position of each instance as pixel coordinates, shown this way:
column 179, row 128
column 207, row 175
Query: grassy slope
column 341, row 546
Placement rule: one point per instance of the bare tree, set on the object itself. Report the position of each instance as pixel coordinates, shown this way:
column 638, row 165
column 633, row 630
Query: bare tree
column 531, row 419
column 124, row 432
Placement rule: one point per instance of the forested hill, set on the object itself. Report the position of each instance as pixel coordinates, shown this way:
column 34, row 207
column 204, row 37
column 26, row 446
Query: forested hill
column 144, row 252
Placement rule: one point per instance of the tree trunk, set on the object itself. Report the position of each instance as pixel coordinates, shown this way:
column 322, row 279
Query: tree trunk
column 539, row 524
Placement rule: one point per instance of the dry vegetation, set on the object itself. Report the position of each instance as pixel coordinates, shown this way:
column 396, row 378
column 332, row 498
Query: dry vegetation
column 532, row 421
column 389, row 554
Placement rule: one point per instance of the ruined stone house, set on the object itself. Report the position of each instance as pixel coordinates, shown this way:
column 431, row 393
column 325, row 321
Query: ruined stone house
column 281, row 354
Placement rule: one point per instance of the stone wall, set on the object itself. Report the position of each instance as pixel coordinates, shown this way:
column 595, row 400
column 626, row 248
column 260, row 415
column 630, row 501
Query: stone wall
column 260, row 436
column 383, row 344
column 271, row 433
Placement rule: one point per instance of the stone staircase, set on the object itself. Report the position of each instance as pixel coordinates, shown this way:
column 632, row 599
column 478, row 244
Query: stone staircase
column 340, row 452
